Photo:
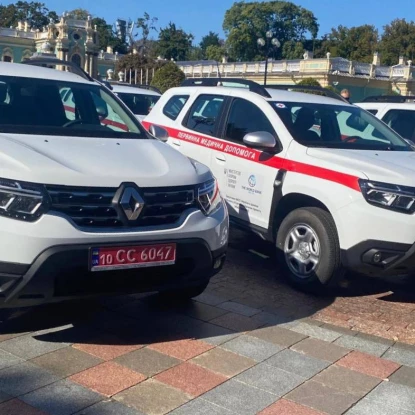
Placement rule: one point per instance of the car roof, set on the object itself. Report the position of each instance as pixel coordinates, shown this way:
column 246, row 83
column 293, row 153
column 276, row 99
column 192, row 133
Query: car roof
column 126, row 89
column 276, row 94
column 30, row 71
column 389, row 105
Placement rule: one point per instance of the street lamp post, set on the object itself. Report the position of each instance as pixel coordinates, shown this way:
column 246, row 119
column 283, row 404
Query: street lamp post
column 270, row 43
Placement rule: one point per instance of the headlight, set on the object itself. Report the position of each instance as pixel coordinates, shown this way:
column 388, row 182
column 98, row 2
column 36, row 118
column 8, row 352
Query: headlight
column 23, row 201
column 389, row 196
column 208, row 197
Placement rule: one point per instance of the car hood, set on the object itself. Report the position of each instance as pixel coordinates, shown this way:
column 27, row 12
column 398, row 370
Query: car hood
column 397, row 167
column 102, row 162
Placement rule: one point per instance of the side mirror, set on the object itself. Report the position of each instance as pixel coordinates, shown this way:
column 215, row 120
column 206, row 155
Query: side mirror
column 159, row 132
column 260, row 140
column 102, row 111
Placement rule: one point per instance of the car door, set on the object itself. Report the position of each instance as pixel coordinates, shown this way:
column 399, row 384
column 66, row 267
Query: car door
column 245, row 179
column 200, row 126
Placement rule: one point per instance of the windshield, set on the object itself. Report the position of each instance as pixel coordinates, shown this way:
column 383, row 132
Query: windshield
column 139, row 104
column 337, row 126
column 50, row 107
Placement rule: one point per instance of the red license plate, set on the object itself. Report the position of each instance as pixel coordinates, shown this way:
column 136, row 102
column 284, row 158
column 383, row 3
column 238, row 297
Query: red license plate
column 140, row 256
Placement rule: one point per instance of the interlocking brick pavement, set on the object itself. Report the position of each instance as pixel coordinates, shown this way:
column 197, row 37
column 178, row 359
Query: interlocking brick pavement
column 248, row 345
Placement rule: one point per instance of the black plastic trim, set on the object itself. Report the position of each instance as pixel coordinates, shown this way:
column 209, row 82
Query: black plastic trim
column 276, row 199
column 397, row 258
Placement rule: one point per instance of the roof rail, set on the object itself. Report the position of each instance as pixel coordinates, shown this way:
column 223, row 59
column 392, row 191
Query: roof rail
column 45, row 62
column 390, row 98
column 253, row 86
column 305, row 88
column 141, row 86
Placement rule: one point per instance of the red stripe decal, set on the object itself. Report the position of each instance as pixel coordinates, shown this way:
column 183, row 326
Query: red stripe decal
column 258, row 157
column 104, row 121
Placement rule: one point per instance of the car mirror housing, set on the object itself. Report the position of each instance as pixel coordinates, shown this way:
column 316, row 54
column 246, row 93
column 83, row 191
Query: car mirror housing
column 159, row 132
column 260, row 140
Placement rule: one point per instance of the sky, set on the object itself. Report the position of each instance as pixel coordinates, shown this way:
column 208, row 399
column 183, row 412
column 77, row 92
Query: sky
column 199, row 17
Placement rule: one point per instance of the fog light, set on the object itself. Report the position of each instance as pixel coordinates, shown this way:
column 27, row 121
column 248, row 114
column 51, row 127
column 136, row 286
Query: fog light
column 377, row 257
column 218, row 262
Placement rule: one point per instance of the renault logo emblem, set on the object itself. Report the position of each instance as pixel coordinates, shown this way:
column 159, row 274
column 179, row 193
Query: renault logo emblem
column 131, row 203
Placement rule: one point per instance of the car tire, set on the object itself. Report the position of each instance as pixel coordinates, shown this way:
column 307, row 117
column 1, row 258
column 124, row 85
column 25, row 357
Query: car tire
column 184, row 294
column 308, row 250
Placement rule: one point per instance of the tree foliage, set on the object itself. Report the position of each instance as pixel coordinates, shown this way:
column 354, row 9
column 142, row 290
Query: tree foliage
column 293, row 50
column 78, row 14
column 211, row 39
column 35, row 13
column 245, row 22
column 309, row 82
column 215, row 53
column 355, row 43
column 174, row 43
column 398, row 39
column 146, row 24
column 168, row 76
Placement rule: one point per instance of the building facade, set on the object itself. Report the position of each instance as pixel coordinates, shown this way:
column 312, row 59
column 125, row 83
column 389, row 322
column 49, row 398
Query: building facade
column 72, row 40
column 361, row 79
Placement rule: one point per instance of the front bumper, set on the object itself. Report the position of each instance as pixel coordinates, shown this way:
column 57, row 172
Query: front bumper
column 62, row 273
column 380, row 258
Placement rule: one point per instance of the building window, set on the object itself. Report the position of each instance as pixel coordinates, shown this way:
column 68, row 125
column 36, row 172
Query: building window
column 7, row 58
column 76, row 36
column 76, row 59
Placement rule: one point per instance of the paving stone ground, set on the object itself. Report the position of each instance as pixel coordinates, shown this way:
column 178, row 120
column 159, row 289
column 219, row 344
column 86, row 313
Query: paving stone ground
column 248, row 345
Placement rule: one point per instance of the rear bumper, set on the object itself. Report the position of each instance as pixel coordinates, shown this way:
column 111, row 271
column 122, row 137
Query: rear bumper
column 63, row 272
column 380, row 258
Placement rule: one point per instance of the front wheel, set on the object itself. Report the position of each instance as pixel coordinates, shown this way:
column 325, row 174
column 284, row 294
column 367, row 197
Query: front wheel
column 308, row 249
column 183, row 294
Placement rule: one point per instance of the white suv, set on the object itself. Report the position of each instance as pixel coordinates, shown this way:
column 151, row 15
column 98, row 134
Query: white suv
column 294, row 171
column 139, row 99
column 89, row 208
column 398, row 112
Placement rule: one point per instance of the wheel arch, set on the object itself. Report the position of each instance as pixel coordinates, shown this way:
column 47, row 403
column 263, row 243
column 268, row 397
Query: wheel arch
column 290, row 202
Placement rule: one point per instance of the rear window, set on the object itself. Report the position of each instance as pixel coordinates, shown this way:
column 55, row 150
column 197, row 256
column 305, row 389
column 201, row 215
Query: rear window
column 47, row 107
column 174, row 105
column 139, row 104
column 402, row 121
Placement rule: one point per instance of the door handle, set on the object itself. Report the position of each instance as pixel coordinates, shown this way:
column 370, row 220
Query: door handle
column 221, row 157
column 176, row 143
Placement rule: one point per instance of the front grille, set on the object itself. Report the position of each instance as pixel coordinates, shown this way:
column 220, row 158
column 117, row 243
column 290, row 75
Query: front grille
column 94, row 207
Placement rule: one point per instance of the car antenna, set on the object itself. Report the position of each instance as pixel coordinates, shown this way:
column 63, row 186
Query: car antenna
column 219, row 76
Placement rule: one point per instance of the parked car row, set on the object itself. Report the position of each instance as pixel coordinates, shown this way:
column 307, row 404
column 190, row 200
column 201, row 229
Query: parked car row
column 92, row 200
column 327, row 182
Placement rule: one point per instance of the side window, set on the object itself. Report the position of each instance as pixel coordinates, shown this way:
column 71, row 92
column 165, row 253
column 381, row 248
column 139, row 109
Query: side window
column 68, row 103
column 402, row 121
column 174, row 105
column 204, row 114
column 374, row 112
column 107, row 117
column 245, row 117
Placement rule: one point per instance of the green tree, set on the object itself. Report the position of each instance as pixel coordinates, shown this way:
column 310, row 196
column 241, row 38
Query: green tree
column 104, row 31
column 174, row 43
column 309, row 82
column 245, row 22
column 292, row 50
column 355, row 43
column 211, row 39
column 398, row 39
column 146, row 24
column 79, row 14
column 195, row 54
column 215, row 53
column 35, row 13
column 168, row 76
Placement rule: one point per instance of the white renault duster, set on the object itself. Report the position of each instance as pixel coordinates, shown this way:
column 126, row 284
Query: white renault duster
column 87, row 207
column 300, row 170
